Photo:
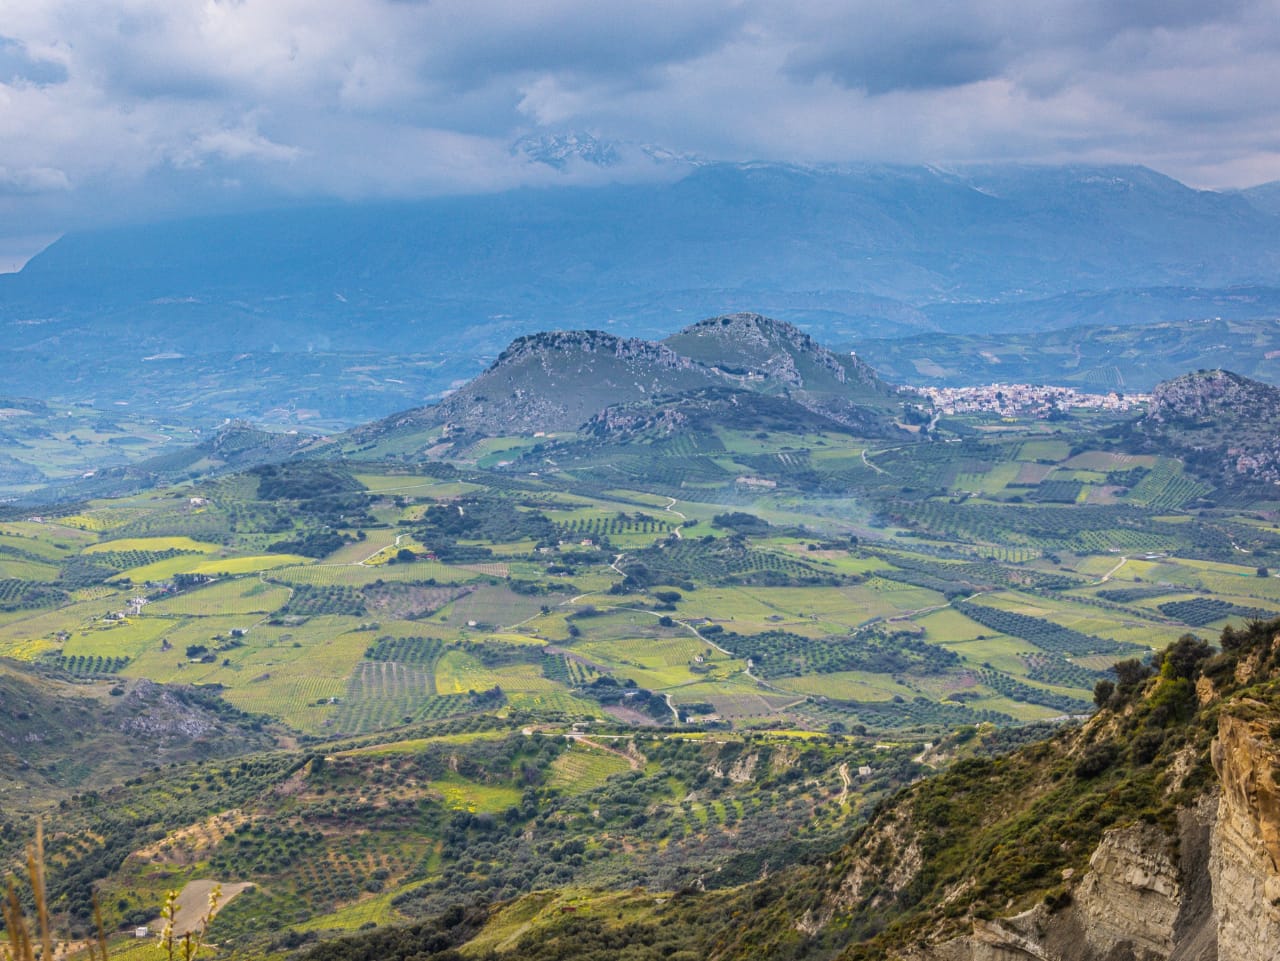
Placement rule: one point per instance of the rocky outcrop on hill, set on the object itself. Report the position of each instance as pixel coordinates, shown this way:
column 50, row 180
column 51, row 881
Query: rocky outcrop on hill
column 560, row 380
column 776, row 357
column 767, row 347
column 1225, row 427
column 544, row 346
column 746, row 344
column 1208, row 394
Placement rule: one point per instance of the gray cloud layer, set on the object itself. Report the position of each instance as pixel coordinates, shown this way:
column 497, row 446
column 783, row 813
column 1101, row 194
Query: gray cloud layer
column 123, row 108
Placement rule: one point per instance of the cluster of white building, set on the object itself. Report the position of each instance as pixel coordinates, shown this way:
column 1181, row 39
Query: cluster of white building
column 1025, row 399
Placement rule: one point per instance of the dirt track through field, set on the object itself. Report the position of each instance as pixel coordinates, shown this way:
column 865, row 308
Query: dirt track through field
column 193, row 903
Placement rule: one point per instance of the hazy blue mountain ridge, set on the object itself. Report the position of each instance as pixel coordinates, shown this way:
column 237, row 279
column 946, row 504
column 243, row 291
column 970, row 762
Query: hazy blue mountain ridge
column 1265, row 197
column 911, row 234
column 418, row 296
column 1093, row 358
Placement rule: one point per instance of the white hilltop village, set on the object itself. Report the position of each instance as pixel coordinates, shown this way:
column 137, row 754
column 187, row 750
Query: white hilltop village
column 1035, row 400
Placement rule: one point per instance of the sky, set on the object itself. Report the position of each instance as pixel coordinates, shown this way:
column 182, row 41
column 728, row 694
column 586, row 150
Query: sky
column 122, row 110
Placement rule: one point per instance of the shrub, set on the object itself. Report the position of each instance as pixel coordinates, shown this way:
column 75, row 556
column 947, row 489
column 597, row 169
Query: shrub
column 1096, row 759
column 1146, row 745
column 1102, row 692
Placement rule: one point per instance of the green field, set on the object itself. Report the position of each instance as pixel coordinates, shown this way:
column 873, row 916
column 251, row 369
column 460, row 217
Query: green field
column 154, row 544
column 584, row 766
column 247, row 595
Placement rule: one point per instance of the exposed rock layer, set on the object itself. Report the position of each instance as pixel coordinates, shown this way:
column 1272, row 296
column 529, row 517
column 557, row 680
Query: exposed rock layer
column 1208, row 892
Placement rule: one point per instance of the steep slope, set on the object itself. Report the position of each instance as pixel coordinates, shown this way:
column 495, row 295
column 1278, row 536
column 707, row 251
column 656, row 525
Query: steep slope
column 1225, row 426
column 1153, row 832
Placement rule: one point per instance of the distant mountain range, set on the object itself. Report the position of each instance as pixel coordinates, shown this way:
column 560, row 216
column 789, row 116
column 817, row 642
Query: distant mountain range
column 337, row 314
column 1099, row 358
column 1265, row 197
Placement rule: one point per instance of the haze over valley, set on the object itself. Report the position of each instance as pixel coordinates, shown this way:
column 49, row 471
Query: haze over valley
column 705, row 481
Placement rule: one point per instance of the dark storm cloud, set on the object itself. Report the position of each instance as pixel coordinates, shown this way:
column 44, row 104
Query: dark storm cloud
column 881, row 48
column 491, row 38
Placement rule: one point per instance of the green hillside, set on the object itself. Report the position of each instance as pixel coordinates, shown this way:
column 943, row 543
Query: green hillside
column 73, row 727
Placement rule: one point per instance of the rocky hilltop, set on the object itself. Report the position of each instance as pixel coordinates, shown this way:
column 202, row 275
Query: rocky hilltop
column 746, row 344
column 555, row 381
column 559, row 381
column 778, row 357
column 1208, row 394
column 1226, row 427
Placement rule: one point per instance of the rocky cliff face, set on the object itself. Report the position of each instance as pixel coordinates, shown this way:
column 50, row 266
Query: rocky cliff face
column 1208, row 891
column 1132, row 893
column 1204, row 888
column 1244, row 867
column 1150, row 833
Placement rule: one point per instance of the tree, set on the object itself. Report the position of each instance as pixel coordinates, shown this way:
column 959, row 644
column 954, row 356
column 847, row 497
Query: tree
column 1183, row 656
column 1102, row 692
column 1130, row 673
